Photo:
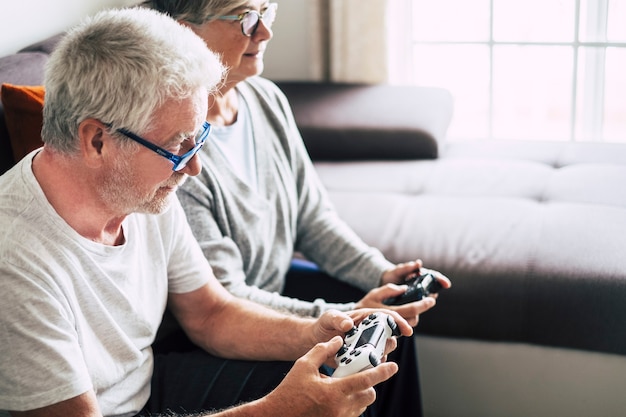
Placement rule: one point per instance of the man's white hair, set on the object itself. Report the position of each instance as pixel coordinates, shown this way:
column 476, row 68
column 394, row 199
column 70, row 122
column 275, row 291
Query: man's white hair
column 119, row 66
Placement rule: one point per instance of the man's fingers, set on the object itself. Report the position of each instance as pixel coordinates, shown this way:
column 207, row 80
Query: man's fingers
column 370, row 377
column 322, row 352
column 390, row 345
column 335, row 320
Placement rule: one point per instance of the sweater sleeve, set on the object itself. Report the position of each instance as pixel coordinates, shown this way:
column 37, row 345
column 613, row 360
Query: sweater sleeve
column 321, row 235
column 233, row 225
column 227, row 258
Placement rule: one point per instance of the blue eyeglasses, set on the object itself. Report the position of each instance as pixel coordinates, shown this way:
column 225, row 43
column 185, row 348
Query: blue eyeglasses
column 250, row 19
column 179, row 161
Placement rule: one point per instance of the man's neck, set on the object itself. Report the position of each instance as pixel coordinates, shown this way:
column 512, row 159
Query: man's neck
column 69, row 188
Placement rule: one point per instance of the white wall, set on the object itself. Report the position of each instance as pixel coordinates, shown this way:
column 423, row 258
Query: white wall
column 23, row 22
column 288, row 54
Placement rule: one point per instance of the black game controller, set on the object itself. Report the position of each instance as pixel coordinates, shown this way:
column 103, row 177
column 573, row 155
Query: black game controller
column 420, row 286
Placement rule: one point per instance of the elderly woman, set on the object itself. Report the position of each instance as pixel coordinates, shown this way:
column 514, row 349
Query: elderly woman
column 258, row 199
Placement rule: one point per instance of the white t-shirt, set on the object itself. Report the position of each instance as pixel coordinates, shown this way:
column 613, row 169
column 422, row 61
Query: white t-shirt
column 236, row 144
column 78, row 315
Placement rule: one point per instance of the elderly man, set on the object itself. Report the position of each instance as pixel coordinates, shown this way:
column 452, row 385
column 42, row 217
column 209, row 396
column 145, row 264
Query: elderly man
column 95, row 245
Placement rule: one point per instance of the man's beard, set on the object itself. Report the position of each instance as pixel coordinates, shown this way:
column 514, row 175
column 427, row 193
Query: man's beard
column 123, row 195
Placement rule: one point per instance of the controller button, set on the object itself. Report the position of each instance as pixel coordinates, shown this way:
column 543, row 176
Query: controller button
column 351, row 332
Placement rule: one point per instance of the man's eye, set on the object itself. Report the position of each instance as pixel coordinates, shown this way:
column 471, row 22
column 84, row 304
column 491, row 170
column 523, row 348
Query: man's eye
column 184, row 145
column 175, row 148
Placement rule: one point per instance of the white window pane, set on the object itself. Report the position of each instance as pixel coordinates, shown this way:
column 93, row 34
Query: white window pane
column 617, row 21
column 464, row 71
column 534, row 20
column 450, row 20
column 532, row 87
column 532, row 92
column 615, row 91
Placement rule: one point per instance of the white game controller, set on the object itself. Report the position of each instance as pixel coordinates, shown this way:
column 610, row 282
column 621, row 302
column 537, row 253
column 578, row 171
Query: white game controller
column 364, row 346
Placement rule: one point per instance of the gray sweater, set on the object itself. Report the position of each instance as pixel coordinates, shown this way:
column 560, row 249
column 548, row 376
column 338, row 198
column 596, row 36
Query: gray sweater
column 249, row 237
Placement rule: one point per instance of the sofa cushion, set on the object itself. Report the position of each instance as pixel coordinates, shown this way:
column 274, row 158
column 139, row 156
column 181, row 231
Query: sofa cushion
column 532, row 235
column 23, row 106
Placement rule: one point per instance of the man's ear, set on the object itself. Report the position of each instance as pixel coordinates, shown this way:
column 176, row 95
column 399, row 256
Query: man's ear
column 94, row 141
column 185, row 23
column 194, row 28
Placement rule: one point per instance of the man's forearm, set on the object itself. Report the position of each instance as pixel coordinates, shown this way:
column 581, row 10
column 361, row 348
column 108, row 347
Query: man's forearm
column 276, row 335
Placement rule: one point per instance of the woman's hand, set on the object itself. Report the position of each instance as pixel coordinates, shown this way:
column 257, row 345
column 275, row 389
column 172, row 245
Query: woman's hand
column 393, row 280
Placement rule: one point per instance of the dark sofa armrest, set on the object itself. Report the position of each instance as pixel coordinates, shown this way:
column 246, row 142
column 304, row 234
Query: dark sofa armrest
column 23, row 68
column 342, row 122
column 45, row 46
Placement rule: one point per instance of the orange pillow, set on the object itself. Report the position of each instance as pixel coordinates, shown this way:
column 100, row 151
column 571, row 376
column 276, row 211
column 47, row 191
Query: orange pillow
column 23, row 107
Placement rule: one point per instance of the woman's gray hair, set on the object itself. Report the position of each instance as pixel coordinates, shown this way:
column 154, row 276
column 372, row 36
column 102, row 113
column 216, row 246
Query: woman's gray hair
column 196, row 12
column 119, row 67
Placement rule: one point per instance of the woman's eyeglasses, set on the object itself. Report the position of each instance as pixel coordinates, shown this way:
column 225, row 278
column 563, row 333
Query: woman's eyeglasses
column 250, row 20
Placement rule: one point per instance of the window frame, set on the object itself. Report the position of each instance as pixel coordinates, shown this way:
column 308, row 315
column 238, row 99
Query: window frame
column 586, row 123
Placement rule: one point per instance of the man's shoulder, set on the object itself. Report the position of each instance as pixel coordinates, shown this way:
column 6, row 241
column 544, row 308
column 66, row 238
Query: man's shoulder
column 12, row 179
column 17, row 208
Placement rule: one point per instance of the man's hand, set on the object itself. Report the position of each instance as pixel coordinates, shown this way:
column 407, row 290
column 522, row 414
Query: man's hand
column 335, row 323
column 307, row 392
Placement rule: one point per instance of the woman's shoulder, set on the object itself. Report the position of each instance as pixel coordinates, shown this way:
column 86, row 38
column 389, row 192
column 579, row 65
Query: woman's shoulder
column 264, row 88
column 266, row 96
column 260, row 83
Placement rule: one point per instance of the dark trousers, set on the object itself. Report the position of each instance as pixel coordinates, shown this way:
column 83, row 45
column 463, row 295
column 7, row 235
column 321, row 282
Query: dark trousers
column 194, row 381
column 189, row 380
column 399, row 396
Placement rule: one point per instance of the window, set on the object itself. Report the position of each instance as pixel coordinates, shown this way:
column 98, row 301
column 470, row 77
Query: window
column 524, row 69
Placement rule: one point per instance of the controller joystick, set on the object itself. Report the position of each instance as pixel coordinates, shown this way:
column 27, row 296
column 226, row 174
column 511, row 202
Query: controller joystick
column 374, row 360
